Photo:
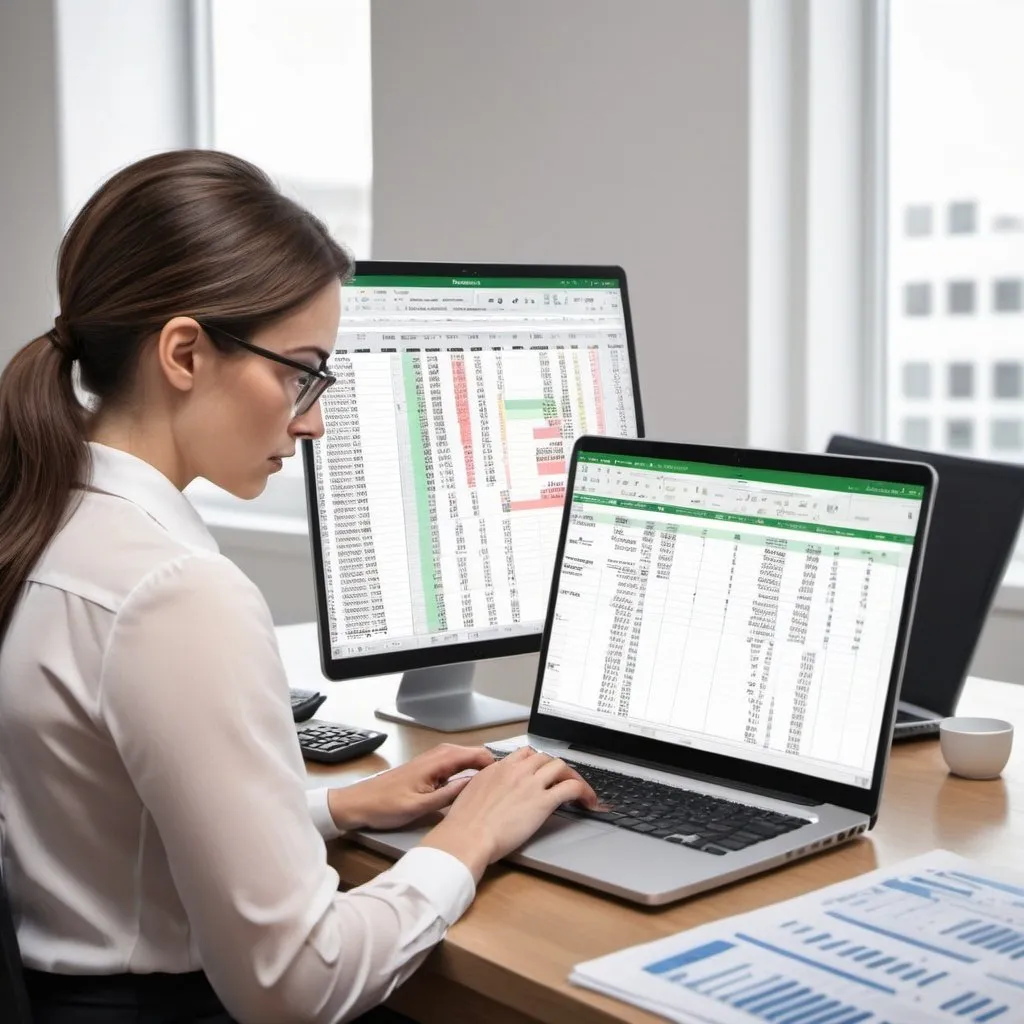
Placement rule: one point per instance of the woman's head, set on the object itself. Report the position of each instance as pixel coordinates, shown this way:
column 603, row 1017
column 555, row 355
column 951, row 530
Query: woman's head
column 171, row 260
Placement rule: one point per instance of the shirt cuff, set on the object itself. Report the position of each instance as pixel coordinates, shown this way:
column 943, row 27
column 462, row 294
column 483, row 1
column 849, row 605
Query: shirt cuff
column 443, row 879
column 320, row 812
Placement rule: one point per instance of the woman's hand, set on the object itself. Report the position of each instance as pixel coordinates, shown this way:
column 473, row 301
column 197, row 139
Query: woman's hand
column 401, row 795
column 504, row 805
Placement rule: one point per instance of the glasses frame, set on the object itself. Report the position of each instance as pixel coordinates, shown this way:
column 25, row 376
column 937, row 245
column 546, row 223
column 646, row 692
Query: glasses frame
column 320, row 379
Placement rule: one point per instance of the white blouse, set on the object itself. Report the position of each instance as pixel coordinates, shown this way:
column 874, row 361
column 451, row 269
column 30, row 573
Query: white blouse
column 153, row 805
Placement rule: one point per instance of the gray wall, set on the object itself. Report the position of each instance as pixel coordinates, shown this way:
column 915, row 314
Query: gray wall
column 582, row 131
column 30, row 184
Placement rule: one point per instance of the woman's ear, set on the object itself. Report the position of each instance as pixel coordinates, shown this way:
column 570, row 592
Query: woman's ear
column 179, row 347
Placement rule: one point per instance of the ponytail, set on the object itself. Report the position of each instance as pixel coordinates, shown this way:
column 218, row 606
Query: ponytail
column 42, row 456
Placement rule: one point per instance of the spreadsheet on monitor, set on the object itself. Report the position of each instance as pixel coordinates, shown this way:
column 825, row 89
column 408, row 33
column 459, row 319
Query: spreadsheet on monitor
column 742, row 612
column 441, row 476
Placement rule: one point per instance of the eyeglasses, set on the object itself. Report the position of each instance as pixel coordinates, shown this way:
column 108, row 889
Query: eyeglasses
column 311, row 385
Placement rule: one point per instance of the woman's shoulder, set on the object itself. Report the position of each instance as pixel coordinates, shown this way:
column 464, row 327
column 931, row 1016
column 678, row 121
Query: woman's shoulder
column 109, row 548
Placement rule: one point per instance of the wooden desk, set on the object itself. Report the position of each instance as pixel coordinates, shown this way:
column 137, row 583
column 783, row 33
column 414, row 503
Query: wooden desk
column 508, row 959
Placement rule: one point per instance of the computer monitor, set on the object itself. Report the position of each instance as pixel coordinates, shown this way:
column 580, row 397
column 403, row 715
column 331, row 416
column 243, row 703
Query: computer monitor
column 435, row 496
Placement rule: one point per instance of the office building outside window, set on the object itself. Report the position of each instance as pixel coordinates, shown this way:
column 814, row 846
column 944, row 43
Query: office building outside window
column 954, row 320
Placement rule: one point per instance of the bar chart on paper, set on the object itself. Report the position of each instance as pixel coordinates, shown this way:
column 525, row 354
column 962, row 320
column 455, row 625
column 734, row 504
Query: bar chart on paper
column 940, row 939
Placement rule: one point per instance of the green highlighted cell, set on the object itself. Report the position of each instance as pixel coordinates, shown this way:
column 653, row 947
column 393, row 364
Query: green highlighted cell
column 417, row 446
column 530, row 408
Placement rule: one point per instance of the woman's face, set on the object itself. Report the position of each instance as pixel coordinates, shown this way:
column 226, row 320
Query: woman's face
column 242, row 425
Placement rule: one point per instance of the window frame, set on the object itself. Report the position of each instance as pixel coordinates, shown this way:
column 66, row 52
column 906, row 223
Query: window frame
column 1010, row 597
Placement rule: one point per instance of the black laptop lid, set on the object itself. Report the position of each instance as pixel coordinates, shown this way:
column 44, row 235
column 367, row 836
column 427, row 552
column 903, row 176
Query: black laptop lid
column 977, row 513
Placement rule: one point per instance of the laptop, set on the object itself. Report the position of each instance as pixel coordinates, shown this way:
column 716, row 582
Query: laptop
column 721, row 658
column 978, row 510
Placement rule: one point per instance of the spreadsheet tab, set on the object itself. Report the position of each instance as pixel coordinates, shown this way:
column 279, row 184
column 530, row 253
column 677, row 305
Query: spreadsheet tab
column 441, row 476
column 742, row 612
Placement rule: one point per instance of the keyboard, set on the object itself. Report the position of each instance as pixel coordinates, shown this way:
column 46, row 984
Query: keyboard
column 681, row 816
column 910, row 724
column 332, row 742
column 304, row 703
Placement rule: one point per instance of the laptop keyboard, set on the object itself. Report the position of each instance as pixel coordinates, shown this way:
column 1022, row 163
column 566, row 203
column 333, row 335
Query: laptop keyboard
column 701, row 822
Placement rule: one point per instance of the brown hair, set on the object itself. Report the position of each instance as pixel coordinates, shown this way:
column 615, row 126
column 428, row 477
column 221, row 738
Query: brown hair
column 187, row 233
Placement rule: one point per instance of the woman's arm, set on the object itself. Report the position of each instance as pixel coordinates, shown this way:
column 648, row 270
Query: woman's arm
column 196, row 700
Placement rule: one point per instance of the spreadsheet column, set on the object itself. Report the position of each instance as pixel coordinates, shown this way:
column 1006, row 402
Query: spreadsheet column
column 368, row 568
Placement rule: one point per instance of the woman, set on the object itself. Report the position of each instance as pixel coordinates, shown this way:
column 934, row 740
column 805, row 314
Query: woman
column 159, row 848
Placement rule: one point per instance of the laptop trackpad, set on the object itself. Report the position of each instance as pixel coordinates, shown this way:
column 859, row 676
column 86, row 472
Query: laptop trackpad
column 560, row 831
column 629, row 861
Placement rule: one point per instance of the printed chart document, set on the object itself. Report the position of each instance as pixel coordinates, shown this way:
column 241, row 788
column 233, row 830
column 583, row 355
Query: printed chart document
column 937, row 938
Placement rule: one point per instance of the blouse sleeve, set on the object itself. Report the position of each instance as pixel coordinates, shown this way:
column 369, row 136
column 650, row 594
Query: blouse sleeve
column 195, row 697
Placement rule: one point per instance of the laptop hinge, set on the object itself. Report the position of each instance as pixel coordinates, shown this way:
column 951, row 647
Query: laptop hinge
column 745, row 787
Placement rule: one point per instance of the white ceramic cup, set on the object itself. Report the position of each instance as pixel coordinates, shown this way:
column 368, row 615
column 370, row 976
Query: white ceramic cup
column 976, row 748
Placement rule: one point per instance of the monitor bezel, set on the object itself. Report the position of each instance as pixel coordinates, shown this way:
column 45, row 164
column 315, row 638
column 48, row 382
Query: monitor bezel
column 659, row 753
column 443, row 654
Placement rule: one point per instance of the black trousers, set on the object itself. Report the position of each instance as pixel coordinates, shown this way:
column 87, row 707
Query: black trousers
column 139, row 999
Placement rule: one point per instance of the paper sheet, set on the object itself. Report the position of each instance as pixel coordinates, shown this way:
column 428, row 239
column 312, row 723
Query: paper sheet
column 934, row 939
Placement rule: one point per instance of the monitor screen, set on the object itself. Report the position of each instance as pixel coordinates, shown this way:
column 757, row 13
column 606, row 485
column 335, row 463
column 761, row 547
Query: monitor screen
column 440, row 481
column 751, row 613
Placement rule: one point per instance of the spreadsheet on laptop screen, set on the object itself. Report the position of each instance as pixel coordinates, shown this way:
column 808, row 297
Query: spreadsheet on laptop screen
column 742, row 612
column 441, row 476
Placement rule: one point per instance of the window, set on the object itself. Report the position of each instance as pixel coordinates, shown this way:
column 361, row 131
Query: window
column 307, row 122
column 1006, row 295
column 1007, row 435
column 917, row 299
column 917, row 221
column 961, row 380
column 917, row 380
column 1006, row 380
column 287, row 86
column 917, row 432
column 960, row 297
column 1007, row 223
column 960, row 435
column 963, row 218
column 950, row 141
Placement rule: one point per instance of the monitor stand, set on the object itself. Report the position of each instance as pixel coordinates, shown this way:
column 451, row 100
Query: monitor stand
column 442, row 697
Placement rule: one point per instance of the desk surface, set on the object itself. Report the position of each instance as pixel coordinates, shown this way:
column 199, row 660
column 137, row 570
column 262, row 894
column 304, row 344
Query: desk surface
column 509, row 958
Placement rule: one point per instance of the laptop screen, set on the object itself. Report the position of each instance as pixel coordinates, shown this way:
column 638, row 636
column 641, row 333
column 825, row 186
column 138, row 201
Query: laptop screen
column 747, row 613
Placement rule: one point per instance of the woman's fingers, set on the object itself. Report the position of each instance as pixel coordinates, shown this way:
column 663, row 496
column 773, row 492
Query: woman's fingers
column 450, row 759
column 556, row 771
